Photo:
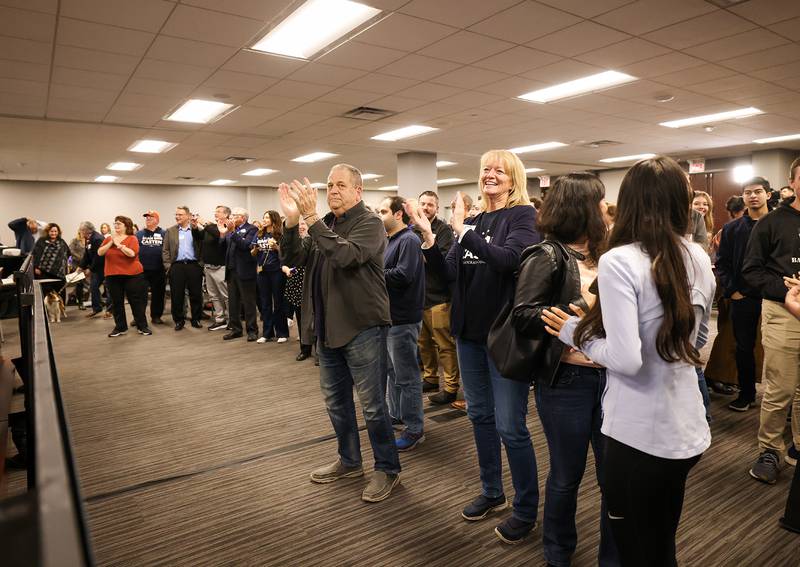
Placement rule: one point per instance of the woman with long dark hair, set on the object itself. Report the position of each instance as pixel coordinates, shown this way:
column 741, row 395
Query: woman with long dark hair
column 50, row 255
column 654, row 301
column 271, row 280
column 568, row 385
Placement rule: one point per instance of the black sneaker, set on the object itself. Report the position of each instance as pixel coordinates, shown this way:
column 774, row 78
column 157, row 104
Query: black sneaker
column 158, row 321
column 196, row 324
column 513, row 530
column 146, row 332
column 765, row 468
column 117, row 332
column 479, row 508
column 218, row 326
column 442, row 397
column 741, row 404
column 429, row 386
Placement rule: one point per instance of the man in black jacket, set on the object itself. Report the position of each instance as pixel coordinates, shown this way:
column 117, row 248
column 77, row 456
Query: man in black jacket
column 25, row 230
column 745, row 301
column 240, row 274
column 214, row 249
column 92, row 264
column 773, row 253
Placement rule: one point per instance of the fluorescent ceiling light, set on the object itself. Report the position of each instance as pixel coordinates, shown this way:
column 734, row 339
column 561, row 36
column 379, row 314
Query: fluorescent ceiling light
column 777, row 139
column 319, row 185
column 533, row 170
column 387, row 188
column 123, row 166
column 222, row 182
column 627, row 158
column 537, row 147
column 584, row 85
column 199, row 111
column 151, row 147
column 403, row 133
column 368, row 176
column 445, row 163
column 742, row 173
column 314, row 156
column 106, row 178
column 719, row 117
column 448, row 180
column 314, row 25
column 259, row 171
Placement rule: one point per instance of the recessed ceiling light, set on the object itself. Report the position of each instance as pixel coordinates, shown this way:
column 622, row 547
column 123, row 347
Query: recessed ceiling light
column 445, row 163
column 319, row 185
column 199, row 111
column 777, row 139
column 151, row 146
column 533, row 170
column 537, row 147
column 314, row 156
column 387, row 188
column 106, row 178
column 222, row 182
column 628, row 158
column 742, row 173
column 403, row 133
column 580, row 86
column 719, row 117
column 368, row 176
column 448, row 180
column 313, row 26
column 259, row 171
column 123, row 166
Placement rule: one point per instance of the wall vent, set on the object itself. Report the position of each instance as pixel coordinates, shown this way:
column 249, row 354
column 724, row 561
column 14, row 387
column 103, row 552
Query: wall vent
column 368, row 113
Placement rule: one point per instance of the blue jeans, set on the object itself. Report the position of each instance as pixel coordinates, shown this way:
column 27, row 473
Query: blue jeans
column 571, row 416
column 97, row 303
column 497, row 408
column 701, row 383
column 405, row 379
column 361, row 363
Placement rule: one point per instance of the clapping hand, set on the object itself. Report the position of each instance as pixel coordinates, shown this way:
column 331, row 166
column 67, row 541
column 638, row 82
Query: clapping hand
column 792, row 301
column 555, row 318
column 420, row 221
column 459, row 214
column 305, row 196
column 288, row 205
column 117, row 239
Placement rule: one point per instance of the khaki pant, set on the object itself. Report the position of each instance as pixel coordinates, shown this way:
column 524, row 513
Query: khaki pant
column 217, row 291
column 780, row 335
column 437, row 346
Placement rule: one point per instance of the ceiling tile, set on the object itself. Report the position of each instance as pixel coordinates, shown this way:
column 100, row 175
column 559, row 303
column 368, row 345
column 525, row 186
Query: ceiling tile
column 510, row 87
column 297, row 90
column 274, row 101
column 223, row 80
column 579, row 38
column 469, row 77
column 398, row 104
column 661, row 65
column 715, row 25
column 22, row 106
column 419, row 67
column 89, row 79
column 102, row 37
column 647, row 15
column 784, row 54
column 321, row 74
column 348, row 96
column 23, row 87
column 263, row 10
column 361, row 56
column 262, row 64
column 82, row 93
column 169, row 71
column 63, row 112
column 460, row 13
column 25, row 71
column 584, row 8
column 227, row 94
column 525, row 22
column 23, row 24
column 561, row 71
column 133, row 115
column 405, row 33
column 517, row 60
column 767, row 12
column 472, row 99
column 778, row 72
column 241, row 119
column 212, row 27
column 91, row 60
column 176, row 91
column 623, row 53
column 16, row 49
column 757, row 40
column 429, row 91
column 466, row 47
column 144, row 15
column 189, row 52
column 695, row 75
column 384, row 84
column 787, row 28
column 159, row 103
column 46, row 6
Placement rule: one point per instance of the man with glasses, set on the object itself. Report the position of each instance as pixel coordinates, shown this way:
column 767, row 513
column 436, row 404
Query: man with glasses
column 181, row 255
column 745, row 300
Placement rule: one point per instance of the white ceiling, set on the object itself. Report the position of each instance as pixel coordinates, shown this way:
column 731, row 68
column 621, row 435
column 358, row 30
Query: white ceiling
column 81, row 80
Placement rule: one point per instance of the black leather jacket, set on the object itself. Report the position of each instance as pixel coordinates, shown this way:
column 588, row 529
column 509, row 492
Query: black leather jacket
column 543, row 284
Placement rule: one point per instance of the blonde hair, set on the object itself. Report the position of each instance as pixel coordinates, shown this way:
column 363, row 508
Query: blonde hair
column 708, row 218
column 518, row 195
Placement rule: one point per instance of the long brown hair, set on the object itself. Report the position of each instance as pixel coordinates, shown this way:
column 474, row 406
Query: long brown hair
column 571, row 212
column 276, row 225
column 653, row 212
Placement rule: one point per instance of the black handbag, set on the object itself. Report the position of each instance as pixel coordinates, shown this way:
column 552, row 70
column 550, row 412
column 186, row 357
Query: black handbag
column 515, row 354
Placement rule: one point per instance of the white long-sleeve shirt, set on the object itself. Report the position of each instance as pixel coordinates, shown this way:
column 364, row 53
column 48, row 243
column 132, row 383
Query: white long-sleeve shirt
column 649, row 404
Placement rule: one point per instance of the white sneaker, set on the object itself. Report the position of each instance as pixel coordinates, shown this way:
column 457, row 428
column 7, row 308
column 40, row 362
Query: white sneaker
column 282, row 340
column 261, row 340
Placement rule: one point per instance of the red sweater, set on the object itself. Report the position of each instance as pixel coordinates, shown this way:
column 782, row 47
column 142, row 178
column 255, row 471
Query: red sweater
column 118, row 264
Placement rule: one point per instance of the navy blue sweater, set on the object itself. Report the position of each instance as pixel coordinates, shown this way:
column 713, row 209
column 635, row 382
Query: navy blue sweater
column 730, row 258
column 483, row 266
column 151, row 243
column 404, row 270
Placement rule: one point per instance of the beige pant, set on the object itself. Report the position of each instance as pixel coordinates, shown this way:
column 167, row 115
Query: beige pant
column 217, row 291
column 437, row 346
column 780, row 335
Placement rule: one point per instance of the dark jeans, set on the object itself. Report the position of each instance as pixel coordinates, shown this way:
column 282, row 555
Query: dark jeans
column 271, row 285
column 744, row 317
column 135, row 288
column 644, row 495
column 497, row 408
column 97, row 303
column 363, row 363
column 404, row 389
column 295, row 311
column 181, row 278
column 157, row 284
column 241, row 293
column 571, row 417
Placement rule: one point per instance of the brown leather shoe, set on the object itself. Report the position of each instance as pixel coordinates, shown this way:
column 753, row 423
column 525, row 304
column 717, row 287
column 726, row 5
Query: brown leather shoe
column 459, row 405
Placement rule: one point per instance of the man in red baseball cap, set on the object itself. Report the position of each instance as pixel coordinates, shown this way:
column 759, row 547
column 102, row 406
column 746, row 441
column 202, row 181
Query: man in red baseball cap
column 151, row 243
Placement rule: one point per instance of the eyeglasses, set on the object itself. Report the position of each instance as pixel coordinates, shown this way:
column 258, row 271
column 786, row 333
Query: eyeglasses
column 759, row 191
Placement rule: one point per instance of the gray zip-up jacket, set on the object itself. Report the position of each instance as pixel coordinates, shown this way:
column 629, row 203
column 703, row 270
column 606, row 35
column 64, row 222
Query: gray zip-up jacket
column 350, row 255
